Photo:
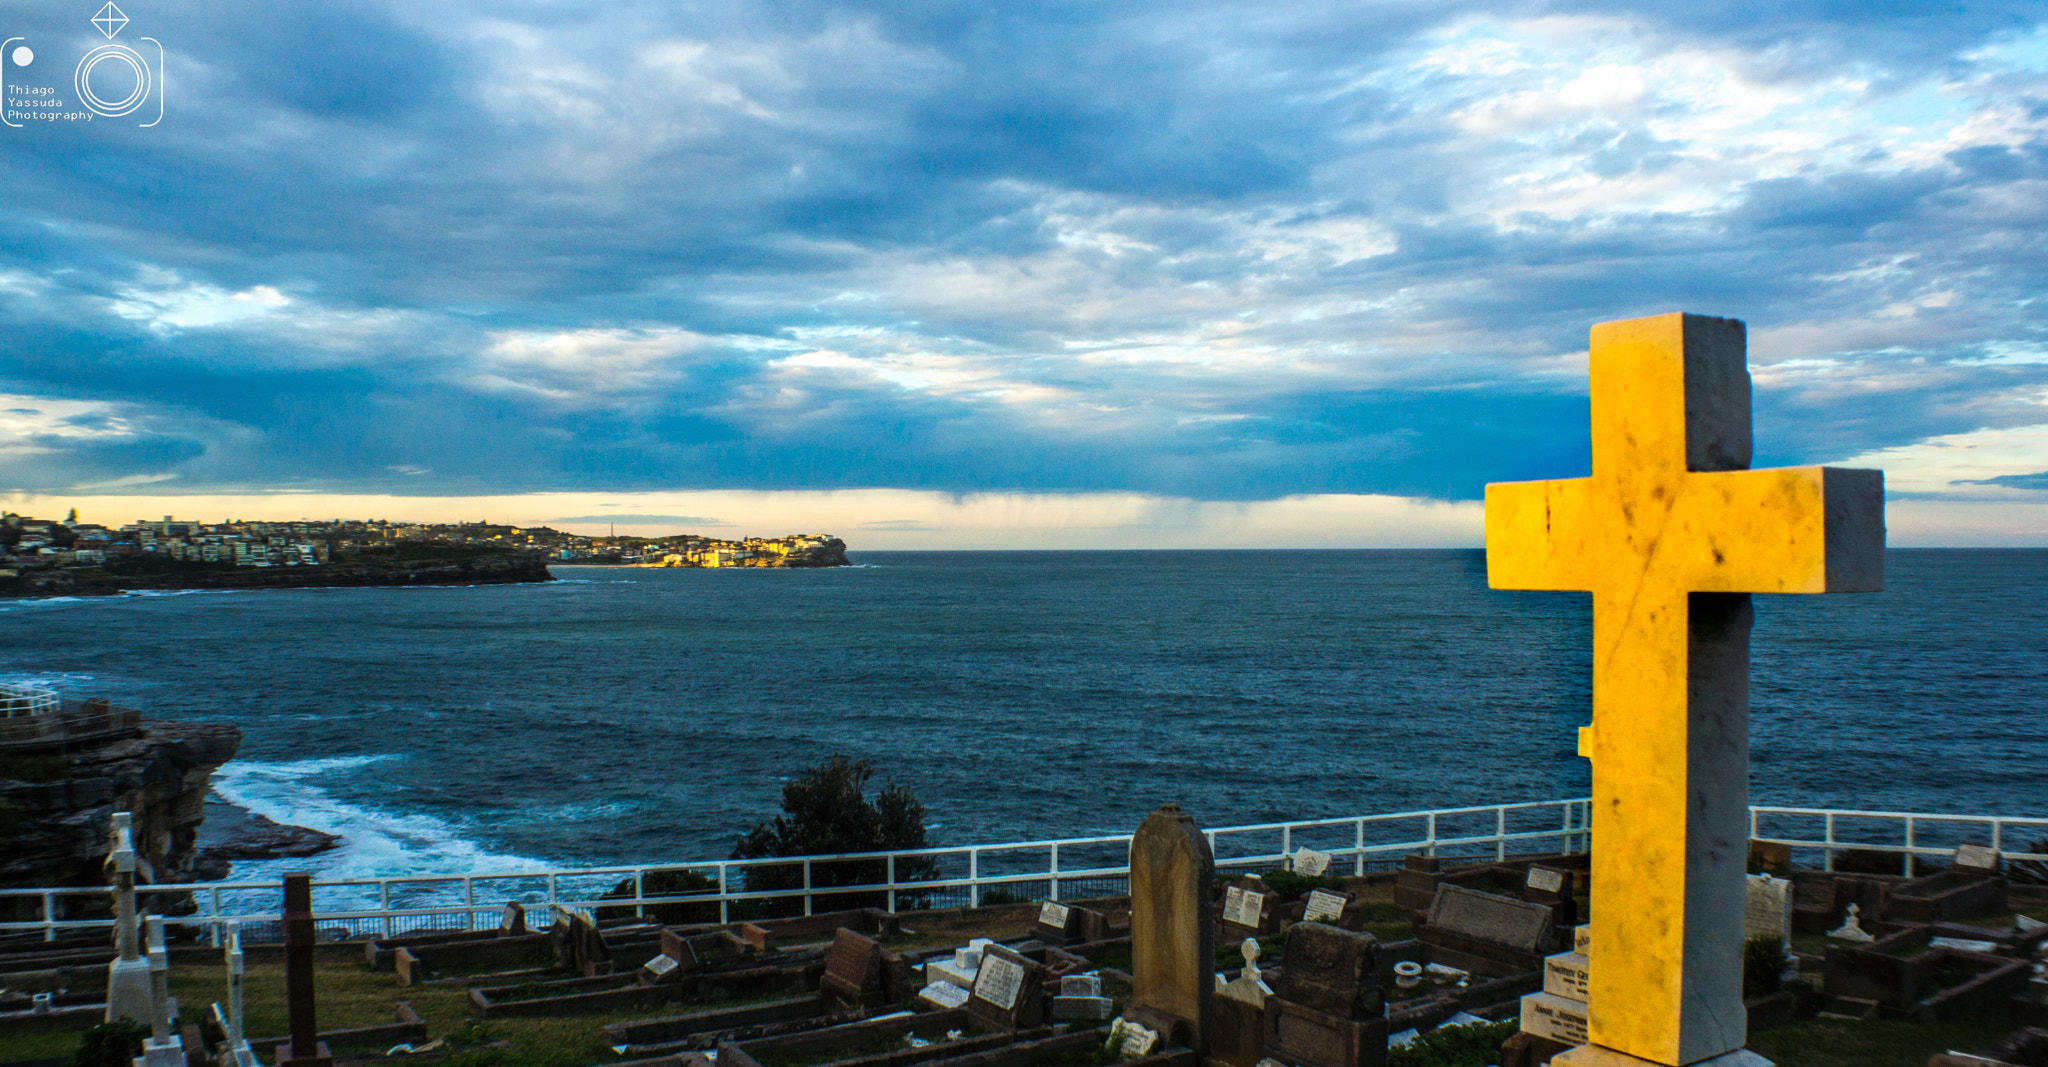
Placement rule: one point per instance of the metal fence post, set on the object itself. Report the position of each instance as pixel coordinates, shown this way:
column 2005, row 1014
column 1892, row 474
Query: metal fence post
column 974, row 878
column 1828, row 863
column 49, row 916
column 1908, row 871
column 1052, row 881
column 807, row 885
column 384, row 903
column 469, row 903
column 892, row 883
column 1500, row 834
column 1286, row 842
column 724, row 905
column 1429, row 846
column 1358, row 842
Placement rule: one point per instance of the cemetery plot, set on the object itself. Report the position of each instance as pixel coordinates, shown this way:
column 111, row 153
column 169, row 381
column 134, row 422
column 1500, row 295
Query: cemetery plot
column 1904, row 974
column 888, row 1042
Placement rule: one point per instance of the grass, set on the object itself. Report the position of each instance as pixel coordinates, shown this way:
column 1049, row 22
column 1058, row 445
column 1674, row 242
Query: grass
column 1878, row 1043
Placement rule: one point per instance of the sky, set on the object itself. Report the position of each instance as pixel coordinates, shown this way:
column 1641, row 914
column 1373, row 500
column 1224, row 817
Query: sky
column 933, row 275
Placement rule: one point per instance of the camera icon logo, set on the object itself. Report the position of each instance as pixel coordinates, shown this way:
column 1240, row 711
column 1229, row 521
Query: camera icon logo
column 110, row 81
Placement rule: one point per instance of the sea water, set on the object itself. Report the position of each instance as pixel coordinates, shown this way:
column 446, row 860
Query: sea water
column 629, row 715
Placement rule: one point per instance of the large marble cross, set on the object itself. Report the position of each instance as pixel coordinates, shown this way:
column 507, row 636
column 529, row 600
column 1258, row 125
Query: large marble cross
column 1671, row 534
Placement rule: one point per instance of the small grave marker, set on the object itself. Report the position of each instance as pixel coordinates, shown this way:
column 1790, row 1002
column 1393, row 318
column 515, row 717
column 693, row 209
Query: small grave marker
column 945, row 995
column 1323, row 906
column 853, row 971
column 1310, row 862
column 1977, row 858
column 1767, row 908
column 1009, row 990
column 1851, row 929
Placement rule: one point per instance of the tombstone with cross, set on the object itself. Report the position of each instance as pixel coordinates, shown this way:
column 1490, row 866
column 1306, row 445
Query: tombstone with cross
column 1671, row 534
column 128, row 985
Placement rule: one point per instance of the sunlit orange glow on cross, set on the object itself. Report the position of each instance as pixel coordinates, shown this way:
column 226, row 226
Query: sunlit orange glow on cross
column 1670, row 535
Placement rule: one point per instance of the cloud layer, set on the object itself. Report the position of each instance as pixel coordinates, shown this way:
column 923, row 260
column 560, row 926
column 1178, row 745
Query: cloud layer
column 1223, row 252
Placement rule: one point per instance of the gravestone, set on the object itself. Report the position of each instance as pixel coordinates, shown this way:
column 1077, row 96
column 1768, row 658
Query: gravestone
column 1173, row 929
column 512, row 921
column 1671, row 534
column 1237, row 1028
column 1310, row 862
column 1328, row 1009
column 1415, row 883
column 1556, row 889
column 853, row 972
column 1080, row 997
column 237, row 1051
column 1009, row 990
column 1069, row 924
column 1851, row 929
column 305, row 1049
column 1250, row 908
column 1324, row 906
column 162, row 1048
column 1502, row 929
column 961, row 968
column 128, row 995
column 1767, row 909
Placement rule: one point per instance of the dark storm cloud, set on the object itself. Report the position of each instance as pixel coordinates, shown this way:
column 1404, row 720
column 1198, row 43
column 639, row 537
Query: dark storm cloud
column 1223, row 251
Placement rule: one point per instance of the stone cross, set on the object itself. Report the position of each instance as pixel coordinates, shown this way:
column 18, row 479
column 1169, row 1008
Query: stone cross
column 162, row 1048
column 1671, row 534
column 238, row 1052
column 1173, row 928
column 305, row 1049
column 128, row 987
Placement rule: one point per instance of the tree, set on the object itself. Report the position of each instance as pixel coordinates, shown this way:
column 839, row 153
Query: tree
column 825, row 812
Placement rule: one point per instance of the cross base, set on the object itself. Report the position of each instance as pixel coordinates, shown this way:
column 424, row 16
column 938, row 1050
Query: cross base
column 169, row 1052
column 1595, row 1056
column 129, row 993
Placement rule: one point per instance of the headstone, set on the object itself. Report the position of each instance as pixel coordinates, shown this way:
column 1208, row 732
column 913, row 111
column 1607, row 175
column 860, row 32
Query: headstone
column 1767, row 909
column 1173, row 929
column 1972, row 859
column 1237, row 1028
column 512, row 921
column 1065, row 924
column 305, row 1049
column 1466, row 918
column 163, row 1047
column 1564, row 975
column 1670, row 534
column 1009, row 990
column 1323, row 906
column 1310, row 862
column 1415, row 883
column 237, row 1040
column 1851, row 929
column 1131, row 1040
column 853, row 972
column 1555, row 889
column 1327, row 1009
column 1081, row 985
column 944, row 995
column 1250, row 908
column 128, row 987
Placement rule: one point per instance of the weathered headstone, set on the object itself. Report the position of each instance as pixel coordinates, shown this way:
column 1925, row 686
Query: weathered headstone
column 1494, row 927
column 1310, row 862
column 1556, row 889
column 853, row 972
column 1671, row 534
column 961, row 968
column 1975, row 859
column 305, row 1049
column 1324, row 906
column 1250, row 908
column 944, row 995
column 1415, row 883
column 1067, row 924
column 128, row 995
column 1237, row 1028
column 1009, row 990
column 512, row 921
column 163, row 1047
column 1767, row 909
column 1173, row 929
column 1328, row 1009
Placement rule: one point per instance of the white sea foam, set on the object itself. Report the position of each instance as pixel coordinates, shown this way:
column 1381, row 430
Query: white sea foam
column 375, row 843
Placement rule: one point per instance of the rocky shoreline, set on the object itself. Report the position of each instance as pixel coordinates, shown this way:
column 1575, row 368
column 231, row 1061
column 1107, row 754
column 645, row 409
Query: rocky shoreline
column 231, row 832
column 478, row 570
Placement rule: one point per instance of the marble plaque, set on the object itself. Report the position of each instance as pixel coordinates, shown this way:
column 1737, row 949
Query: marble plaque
column 1554, row 1017
column 1976, row 856
column 1323, row 906
column 999, row 982
column 1054, row 914
column 1545, row 879
column 1767, row 908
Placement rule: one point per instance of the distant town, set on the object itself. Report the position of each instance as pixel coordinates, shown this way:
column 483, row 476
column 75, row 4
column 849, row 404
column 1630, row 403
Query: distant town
column 31, row 548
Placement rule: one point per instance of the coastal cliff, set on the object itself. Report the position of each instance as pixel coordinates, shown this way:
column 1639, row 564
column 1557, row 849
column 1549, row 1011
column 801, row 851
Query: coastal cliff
column 59, row 789
column 485, row 569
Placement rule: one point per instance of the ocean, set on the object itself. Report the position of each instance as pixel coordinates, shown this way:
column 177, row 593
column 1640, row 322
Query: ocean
column 637, row 716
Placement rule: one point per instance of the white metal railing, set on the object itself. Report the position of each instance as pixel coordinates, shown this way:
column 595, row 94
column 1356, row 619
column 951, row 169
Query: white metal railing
column 1997, row 831
column 1024, row 870
column 23, row 700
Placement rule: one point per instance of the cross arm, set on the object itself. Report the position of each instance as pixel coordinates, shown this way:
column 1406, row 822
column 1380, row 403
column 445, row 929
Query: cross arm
column 1781, row 530
column 1541, row 535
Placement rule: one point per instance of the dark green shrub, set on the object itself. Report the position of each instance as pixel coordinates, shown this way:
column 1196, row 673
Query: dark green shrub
column 666, row 884
column 114, row 1044
column 826, row 812
column 1454, row 1046
column 1763, row 960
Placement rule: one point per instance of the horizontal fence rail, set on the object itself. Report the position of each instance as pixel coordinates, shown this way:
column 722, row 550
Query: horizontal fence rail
column 987, row 874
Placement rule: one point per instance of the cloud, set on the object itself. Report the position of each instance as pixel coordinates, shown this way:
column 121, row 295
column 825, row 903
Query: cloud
column 1205, row 252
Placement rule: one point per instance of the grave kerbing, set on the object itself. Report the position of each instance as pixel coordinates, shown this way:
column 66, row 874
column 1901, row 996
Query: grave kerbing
column 1671, row 534
column 305, row 1049
column 1173, row 928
